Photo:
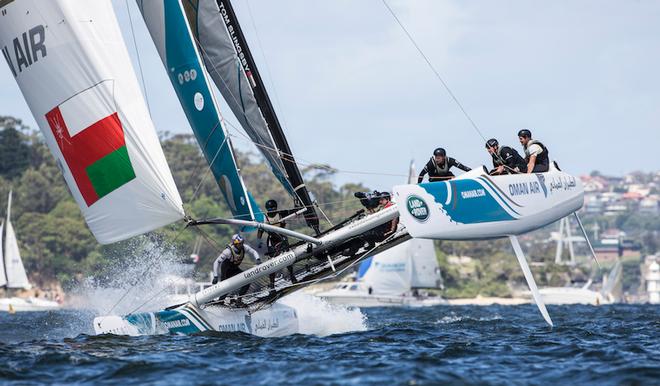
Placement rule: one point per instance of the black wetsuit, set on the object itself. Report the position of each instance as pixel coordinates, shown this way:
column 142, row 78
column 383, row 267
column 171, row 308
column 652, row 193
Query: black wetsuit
column 441, row 172
column 509, row 158
column 277, row 243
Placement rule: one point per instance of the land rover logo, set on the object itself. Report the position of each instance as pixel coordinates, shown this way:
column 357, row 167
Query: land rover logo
column 417, row 208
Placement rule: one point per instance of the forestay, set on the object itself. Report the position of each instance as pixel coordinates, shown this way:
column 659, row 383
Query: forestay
column 233, row 70
column 16, row 277
column 73, row 68
column 171, row 33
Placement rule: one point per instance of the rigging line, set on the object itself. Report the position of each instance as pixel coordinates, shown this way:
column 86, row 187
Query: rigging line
column 279, row 153
column 332, row 275
column 426, row 59
column 205, row 236
column 309, row 163
column 149, row 267
column 209, row 169
column 137, row 52
column 263, row 54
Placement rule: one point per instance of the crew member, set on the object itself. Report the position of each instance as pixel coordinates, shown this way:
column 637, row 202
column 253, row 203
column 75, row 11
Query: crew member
column 228, row 263
column 438, row 167
column 536, row 154
column 277, row 243
column 505, row 159
column 386, row 202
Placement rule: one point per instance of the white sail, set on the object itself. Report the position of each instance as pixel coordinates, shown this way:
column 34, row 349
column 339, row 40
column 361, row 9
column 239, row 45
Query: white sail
column 16, row 276
column 424, row 261
column 3, row 278
column 389, row 272
column 72, row 66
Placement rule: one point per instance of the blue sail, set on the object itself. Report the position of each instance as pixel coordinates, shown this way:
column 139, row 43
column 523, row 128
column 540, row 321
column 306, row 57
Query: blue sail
column 170, row 32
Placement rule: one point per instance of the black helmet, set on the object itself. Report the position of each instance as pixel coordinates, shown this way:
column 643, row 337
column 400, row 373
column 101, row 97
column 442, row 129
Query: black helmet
column 386, row 195
column 525, row 133
column 271, row 205
column 439, row 151
column 492, row 143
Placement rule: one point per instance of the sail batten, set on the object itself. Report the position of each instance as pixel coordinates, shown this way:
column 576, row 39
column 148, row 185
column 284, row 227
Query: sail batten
column 81, row 88
column 234, row 72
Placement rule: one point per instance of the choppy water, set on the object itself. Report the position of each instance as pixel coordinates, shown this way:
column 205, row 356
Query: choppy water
column 461, row 345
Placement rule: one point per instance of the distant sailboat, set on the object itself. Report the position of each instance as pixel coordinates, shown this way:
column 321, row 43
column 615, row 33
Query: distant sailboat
column 13, row 273
column 398, row 276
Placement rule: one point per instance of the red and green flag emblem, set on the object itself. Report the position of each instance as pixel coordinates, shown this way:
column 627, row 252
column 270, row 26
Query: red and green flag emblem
column 96, row 155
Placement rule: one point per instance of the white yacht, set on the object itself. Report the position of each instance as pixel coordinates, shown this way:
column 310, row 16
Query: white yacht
column 12, row 273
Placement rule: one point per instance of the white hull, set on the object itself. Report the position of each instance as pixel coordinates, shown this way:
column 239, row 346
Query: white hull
column 569, row 295
column 27, row 305
column 275, row 320
column 363, row 299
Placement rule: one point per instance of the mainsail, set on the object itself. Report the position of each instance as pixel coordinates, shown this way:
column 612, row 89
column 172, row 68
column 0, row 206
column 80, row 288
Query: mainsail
column 72, row 66
column 234, row 71
column 170, row 32
column 16, row 277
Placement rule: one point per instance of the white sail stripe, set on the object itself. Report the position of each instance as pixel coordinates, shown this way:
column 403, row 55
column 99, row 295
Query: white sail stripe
column 449, row 192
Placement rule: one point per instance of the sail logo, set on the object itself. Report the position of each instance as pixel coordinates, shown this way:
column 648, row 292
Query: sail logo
column 417, row 208
column 91, row 138
column 26, row 50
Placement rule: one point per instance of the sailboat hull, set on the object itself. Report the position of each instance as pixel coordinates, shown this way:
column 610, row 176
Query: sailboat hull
column 364, row 300
column 275, row 320
column 27, row 305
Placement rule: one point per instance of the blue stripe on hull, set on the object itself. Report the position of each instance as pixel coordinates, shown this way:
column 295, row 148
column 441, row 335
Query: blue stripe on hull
column 470, row 202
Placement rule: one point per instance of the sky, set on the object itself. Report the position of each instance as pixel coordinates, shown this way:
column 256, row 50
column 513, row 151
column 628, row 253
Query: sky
column 352, row 91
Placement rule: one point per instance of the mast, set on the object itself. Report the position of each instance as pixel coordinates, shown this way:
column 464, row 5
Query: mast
column 250, row 68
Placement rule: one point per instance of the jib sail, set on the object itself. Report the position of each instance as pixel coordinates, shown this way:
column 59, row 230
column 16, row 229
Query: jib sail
column 170, row 32
column 234, row 72
column 72, row 66
column 16, row 276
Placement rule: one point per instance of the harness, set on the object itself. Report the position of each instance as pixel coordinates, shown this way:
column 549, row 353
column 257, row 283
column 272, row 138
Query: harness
column 440, row 170
column 235, row 258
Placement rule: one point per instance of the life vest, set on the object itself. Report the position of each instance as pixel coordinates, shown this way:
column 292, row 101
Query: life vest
column 236, row 257
column 541, row 159
column 439, row 171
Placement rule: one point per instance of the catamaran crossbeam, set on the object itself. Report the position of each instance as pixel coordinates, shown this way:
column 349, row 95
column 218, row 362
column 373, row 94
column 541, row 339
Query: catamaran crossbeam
column 328, row 241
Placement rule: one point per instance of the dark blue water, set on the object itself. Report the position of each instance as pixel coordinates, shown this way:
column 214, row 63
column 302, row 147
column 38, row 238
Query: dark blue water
column 459, row 345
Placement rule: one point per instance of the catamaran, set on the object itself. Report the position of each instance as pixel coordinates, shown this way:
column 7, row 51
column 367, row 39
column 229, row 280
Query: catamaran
column 73, row 68
column 399, row 276
column 12, row 273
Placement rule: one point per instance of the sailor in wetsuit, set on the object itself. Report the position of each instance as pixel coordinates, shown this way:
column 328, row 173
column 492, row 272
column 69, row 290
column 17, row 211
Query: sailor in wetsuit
column 505, row 159
column 536, row 154
column 277, row 243
column 439, row 165
column 229, row 261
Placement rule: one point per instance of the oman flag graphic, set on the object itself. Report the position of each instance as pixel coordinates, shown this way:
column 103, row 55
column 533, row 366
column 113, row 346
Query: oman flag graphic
column 91, row 138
